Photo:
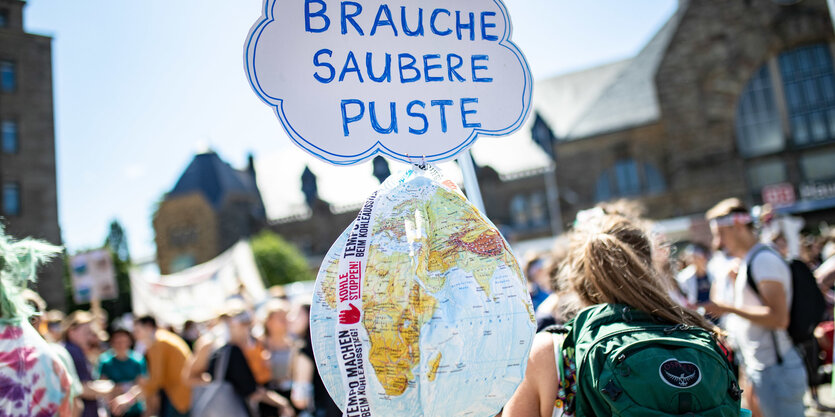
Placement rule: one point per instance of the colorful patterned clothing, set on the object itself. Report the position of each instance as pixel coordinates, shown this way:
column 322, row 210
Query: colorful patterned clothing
column 33, row 381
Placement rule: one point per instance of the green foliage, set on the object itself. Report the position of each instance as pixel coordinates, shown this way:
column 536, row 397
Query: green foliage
column 117, row 241
column 278, row 260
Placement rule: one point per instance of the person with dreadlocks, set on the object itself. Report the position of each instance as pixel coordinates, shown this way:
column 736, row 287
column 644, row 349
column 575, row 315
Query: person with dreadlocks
column 33, row 381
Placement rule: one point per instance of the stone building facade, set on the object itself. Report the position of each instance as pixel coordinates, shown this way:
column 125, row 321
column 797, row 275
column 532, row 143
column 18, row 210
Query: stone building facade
column 728, row 99
column 211, row 207
column 28, row 202
column 718, row 127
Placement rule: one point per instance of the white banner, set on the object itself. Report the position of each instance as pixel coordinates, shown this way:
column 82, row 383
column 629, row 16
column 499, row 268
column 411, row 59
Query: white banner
column 351, row 273
column 200, row 292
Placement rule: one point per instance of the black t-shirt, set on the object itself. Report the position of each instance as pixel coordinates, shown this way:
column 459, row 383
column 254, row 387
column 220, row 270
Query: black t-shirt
column 238, row 373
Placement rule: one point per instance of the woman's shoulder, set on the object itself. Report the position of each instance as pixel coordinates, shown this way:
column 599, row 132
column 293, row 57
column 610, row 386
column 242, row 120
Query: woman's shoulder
column 543, row 349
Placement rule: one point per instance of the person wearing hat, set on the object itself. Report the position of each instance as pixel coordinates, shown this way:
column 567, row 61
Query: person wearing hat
column 124, row 367
column 78, row 334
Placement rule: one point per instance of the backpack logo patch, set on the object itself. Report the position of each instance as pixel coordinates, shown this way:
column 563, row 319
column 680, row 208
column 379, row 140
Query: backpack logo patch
column 680, row 374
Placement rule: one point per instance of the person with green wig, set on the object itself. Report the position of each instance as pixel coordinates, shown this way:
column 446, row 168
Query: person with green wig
column 33, row 380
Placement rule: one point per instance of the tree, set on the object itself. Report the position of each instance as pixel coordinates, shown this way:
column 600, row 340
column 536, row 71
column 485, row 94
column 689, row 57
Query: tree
column 118, row 242
column 278, row 260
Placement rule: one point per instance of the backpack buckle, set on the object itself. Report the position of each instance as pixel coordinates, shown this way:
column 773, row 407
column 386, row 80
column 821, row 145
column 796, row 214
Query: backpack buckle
column 612, row 390
column 735, row 391
column 626, row 314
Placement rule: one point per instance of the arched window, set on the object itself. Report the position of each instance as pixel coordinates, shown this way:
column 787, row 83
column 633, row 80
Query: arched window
column 758, row 129
column 629, row 178
column 538, row 210
column 810, row 93
column 519, row 211
column 807, row 101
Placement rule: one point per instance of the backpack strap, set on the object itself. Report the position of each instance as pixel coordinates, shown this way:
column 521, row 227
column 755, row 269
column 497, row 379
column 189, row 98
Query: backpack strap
column 608, row 313
column 749, row 272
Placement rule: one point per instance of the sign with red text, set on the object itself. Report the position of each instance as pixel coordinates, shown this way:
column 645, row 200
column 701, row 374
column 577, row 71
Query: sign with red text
column 410, row 80
column 779, row 195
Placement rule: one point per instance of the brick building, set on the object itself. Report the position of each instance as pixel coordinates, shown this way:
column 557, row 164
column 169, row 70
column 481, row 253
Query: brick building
column 28, row 202
column 728, row 99
column 211, row 207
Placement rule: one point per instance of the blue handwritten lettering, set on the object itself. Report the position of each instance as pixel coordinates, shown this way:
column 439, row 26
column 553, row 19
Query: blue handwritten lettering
column 432, row 25
column 428, row 67
column 406, row 30
column 349, row 17
column 485, row 26
column 330, row 68
column 418, row 116
column 442, row 108
column 376, row 125
column 386, row 72
column 350, row 66
column 320, row 13
column 453, row 67
column 465, row 112
column 387, row 22
column 346, row 119
column 409, row 66
column 460, row 26
column 476, row 78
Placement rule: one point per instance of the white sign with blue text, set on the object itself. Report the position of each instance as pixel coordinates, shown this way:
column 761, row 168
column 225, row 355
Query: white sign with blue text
column 413, row 80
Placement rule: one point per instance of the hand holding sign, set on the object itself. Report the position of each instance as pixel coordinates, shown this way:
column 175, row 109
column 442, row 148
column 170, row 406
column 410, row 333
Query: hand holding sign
column 349, row 79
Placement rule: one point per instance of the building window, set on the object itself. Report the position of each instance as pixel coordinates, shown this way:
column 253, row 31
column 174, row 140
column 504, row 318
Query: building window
column 809, row 84
column 9, row 134
column 182, row 262
column 11, row 199
column 4, row 18
column 765, row 173
column 819, row 166
column 603, row 189
column 538, row 210
column 758, row 128
column 628, row 178
column 519, row 211
column 8, row 76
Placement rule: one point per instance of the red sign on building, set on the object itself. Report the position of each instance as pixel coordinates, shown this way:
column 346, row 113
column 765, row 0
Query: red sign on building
column 779, row 195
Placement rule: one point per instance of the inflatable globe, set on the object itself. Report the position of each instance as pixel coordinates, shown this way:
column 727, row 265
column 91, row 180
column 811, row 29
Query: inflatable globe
column 420, row 308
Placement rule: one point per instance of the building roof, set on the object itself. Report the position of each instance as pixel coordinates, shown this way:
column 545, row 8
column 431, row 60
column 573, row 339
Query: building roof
column 631, row 99
column 213, row 177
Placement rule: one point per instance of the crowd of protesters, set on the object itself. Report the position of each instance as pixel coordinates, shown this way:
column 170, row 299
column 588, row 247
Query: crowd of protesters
column 139, row 367
column 258, row 358
column 712, row 278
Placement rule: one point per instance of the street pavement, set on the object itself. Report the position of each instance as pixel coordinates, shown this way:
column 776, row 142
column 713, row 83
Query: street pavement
column 826, row 396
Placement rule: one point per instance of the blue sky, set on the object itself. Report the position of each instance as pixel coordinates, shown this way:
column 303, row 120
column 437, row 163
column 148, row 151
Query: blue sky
column 140, row 86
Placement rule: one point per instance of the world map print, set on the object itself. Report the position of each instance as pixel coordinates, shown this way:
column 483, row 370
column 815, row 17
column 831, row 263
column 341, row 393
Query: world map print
column 446, row 321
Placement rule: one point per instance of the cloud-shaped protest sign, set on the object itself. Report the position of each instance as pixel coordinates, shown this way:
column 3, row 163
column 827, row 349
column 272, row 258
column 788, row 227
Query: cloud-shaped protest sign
column 409, row 79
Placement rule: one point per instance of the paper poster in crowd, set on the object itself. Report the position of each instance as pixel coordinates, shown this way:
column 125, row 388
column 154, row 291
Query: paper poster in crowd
column 410, row 80
column 93, row 276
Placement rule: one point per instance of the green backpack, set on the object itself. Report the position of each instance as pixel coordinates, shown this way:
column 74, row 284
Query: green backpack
column 629, row 363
